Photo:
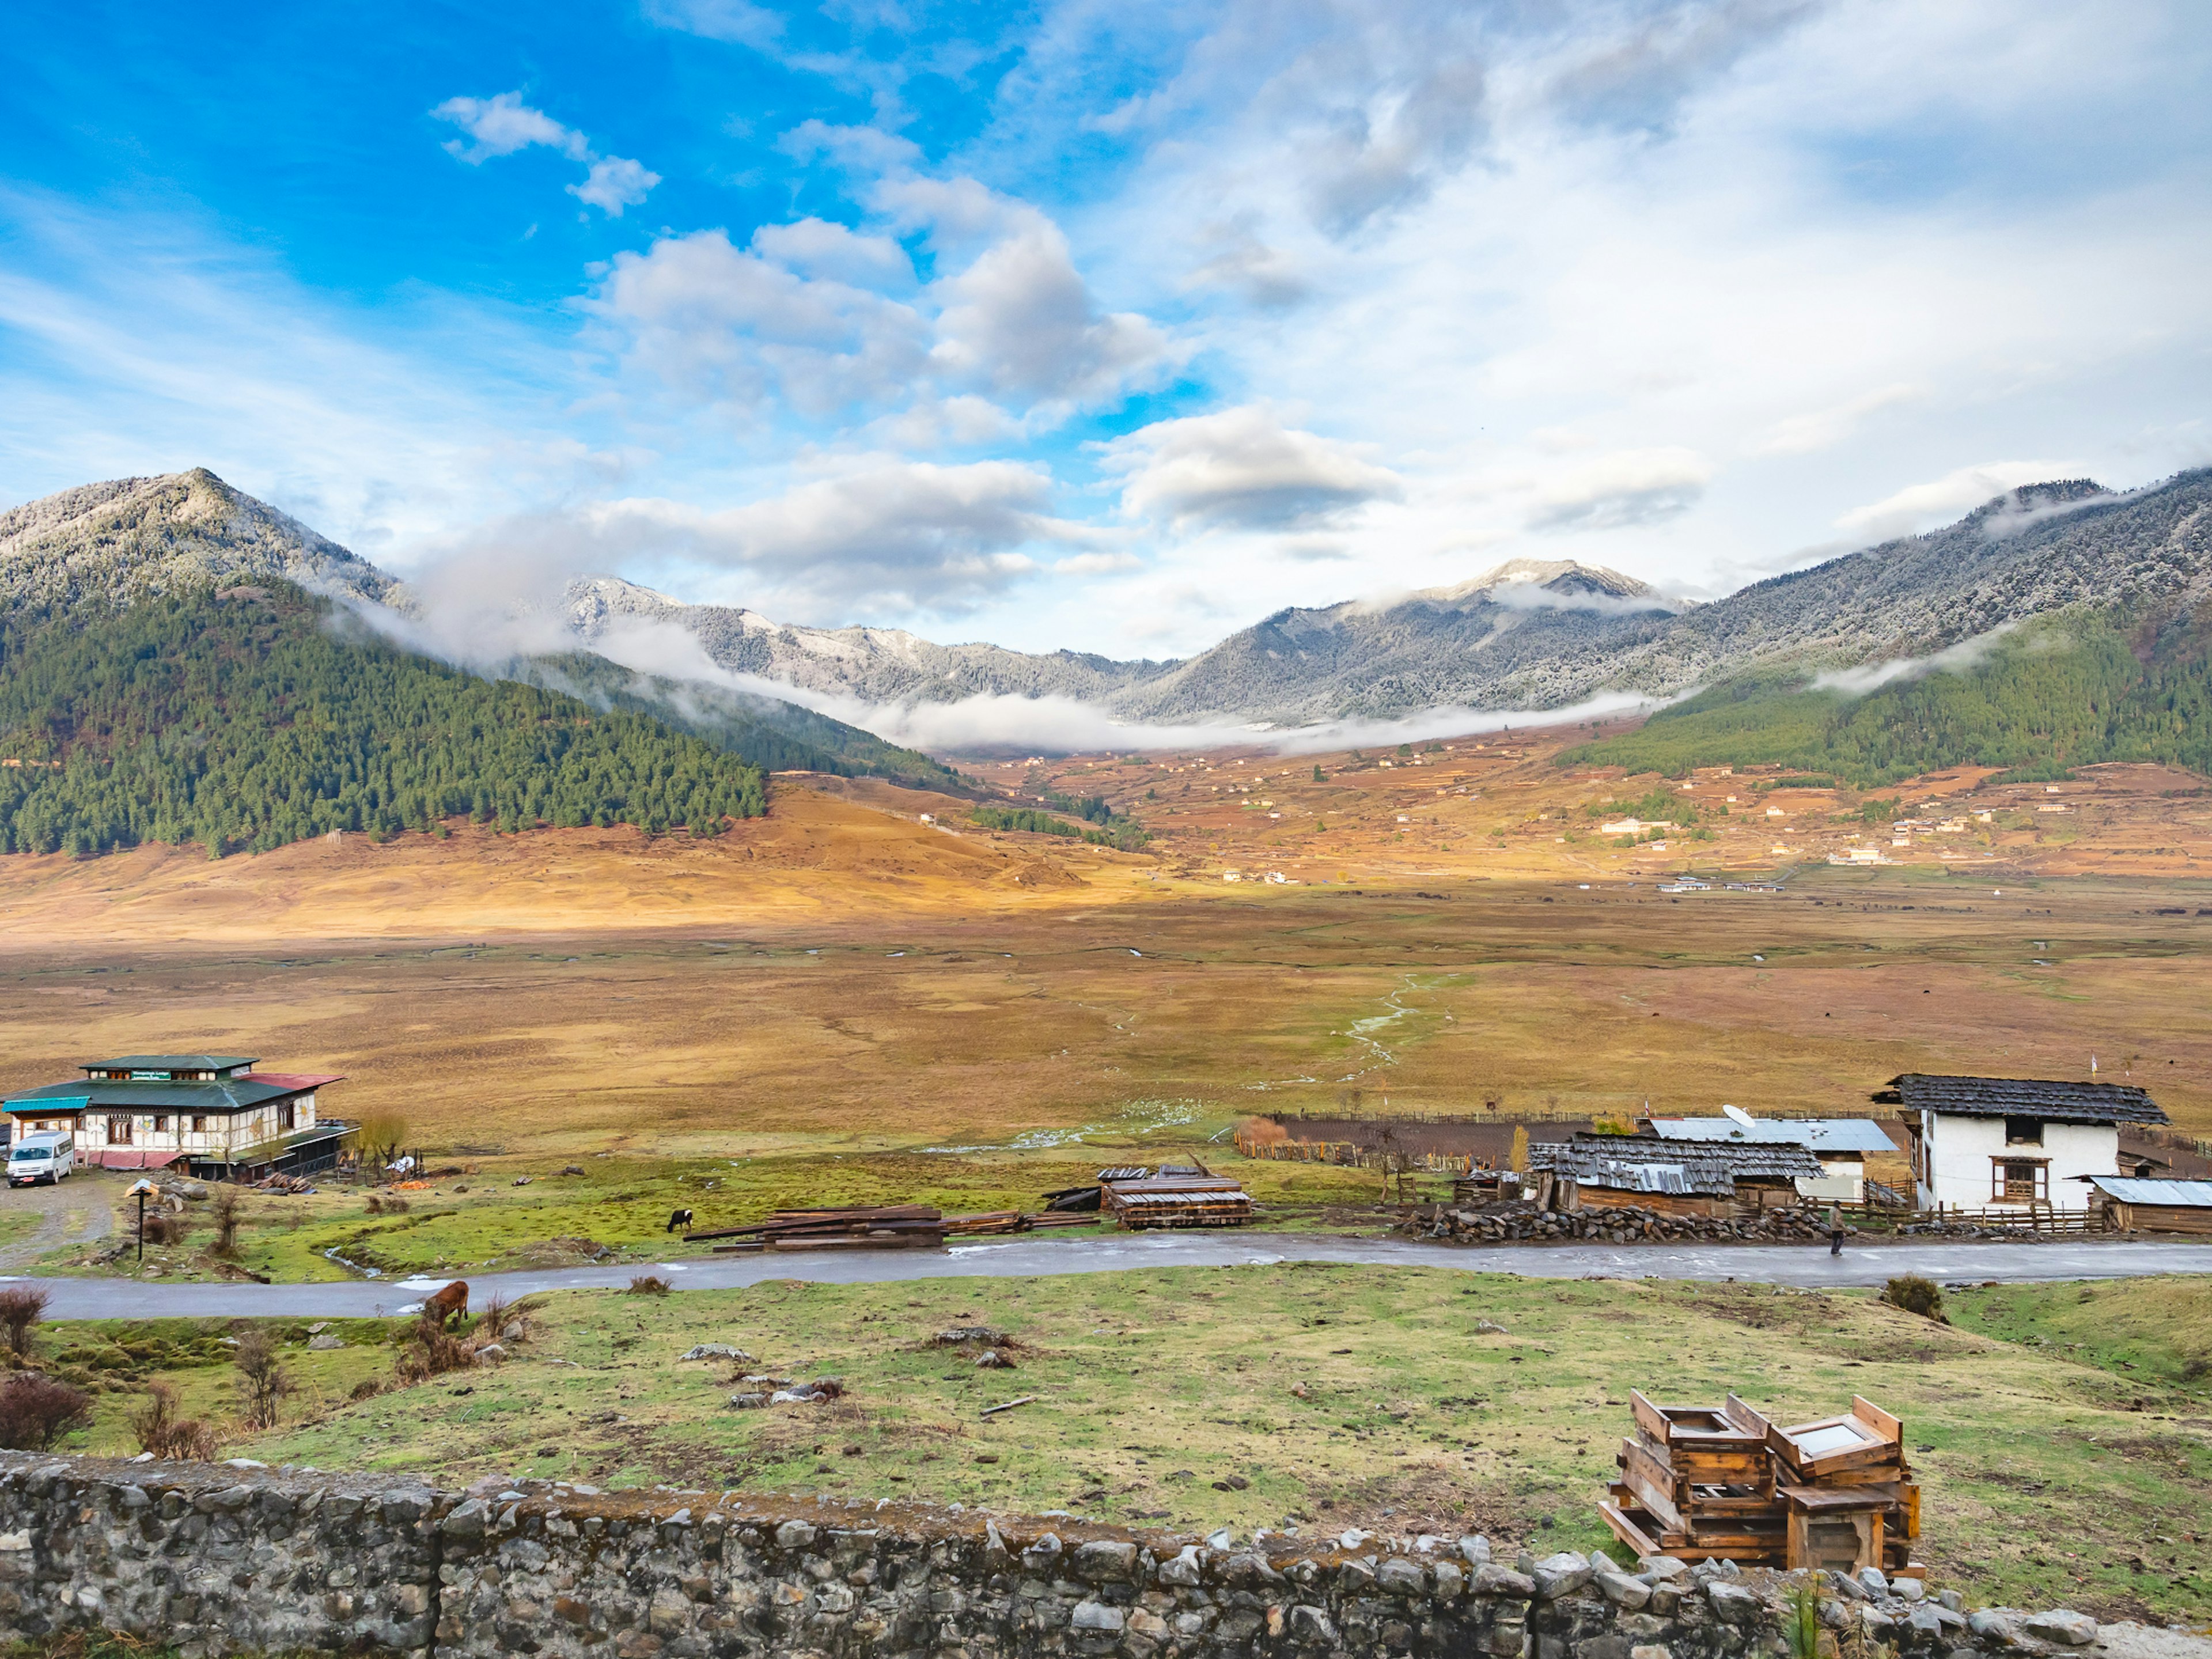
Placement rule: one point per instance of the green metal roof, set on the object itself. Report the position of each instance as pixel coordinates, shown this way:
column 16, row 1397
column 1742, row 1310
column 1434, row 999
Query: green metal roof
column 232, row 1094
column 171, row 1063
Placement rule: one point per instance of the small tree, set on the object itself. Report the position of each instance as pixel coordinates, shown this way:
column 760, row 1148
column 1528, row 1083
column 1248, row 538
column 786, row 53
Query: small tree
column 379, row 1136
column 162, row 1432
column 36, row 1411
column 20, row 1307
column 1916, row 1295
column 263, row 1382
column 226, row 1219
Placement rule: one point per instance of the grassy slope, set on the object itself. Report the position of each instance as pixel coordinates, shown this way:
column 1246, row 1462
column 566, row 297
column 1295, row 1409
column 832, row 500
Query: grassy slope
column 2046, row 1479
column 2050, row 697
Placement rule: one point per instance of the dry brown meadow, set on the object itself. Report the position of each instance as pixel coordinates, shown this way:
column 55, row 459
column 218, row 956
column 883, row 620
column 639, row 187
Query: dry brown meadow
column 845, row 975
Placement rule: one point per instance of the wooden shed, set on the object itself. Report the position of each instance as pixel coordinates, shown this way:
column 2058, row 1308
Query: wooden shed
column 2156, row 1206
column 1714, row 1178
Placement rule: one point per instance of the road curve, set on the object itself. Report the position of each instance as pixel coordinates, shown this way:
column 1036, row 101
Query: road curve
column 1802, row 1265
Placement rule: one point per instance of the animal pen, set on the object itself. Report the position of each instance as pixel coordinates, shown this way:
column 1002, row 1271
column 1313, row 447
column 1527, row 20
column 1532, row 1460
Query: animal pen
column 1706, row 1483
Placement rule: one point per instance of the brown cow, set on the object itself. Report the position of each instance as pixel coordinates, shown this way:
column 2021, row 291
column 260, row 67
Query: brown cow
column 441, row 1309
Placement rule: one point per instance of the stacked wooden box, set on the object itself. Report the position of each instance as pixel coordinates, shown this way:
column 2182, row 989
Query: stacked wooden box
column 1704, row 1483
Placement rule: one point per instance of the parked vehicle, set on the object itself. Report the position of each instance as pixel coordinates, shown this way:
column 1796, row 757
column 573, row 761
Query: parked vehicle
column 49, row 1156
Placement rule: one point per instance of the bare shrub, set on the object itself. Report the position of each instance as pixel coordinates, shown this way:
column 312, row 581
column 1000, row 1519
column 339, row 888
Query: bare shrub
column 20, row 1307
column 161, row 1228
column 382, row 1204
column 431, row 1352
column 36, row 1411
column 162, row 1432
column 227, row 1221
column 263, row 1382
column 649, row 1284
column 493, row 1317
column 368, row 1388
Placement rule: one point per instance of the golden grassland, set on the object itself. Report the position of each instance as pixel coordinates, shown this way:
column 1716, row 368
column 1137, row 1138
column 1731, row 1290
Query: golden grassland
column 2060, row 1430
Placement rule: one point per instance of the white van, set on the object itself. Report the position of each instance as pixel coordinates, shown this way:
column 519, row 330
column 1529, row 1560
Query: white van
column 49, row 1155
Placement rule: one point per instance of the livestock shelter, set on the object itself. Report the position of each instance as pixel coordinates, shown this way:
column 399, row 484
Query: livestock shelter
column 2156, row 1206
column 213, row 1114
column 1694, row 1177
column 1998, row 1143
column 1842, row 1144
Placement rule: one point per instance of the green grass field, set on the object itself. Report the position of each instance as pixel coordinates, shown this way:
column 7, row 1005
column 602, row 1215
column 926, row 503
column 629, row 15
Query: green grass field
column 2053, row 1473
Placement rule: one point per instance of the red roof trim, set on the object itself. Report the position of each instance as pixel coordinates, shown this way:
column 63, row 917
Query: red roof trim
column 295, row 1079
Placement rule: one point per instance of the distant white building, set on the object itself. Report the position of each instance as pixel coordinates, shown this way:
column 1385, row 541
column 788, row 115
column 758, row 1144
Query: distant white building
column 1989, row 1142
column 1842, row 1144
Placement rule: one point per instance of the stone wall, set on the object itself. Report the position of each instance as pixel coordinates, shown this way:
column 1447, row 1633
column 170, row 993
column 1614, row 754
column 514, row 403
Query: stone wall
column 222, row 1560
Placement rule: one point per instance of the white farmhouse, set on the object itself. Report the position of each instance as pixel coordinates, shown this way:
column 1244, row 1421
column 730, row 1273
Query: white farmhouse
column 211, row 1116
column 1991, row 1142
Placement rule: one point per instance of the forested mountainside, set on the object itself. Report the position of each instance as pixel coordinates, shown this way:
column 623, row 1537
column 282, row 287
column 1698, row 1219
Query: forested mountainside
column 2108, row 683
column 777, row 737
column 240, row 718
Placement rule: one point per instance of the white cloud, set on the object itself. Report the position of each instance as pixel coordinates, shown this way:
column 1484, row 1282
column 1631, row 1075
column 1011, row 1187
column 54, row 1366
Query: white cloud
column 735, row 21
column 614, row 183
column 1952, row 660
column 503, row 125
column 1627, row 488
column 1939, row 501
column 1243, row 469
column 1824, row 428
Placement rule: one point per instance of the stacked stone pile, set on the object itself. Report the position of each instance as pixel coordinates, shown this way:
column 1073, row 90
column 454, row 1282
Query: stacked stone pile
column 1498, row 1223
column 223, row 1560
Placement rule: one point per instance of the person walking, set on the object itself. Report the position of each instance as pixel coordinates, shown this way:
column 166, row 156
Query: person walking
column 1835, row 1231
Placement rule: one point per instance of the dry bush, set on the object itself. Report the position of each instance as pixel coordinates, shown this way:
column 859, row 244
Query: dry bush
column 20, row 1307
column 431, row 1352
column 263, row 1382
column 368, row 1388
column 380, row 1204
column 36, row 1411
column 1916, row 1295
column 162, row 1432
column 650, row 1284
column 161, row 1228
column 227, row 1221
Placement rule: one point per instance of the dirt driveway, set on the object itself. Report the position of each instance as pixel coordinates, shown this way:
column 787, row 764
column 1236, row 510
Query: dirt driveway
column 35, row 1220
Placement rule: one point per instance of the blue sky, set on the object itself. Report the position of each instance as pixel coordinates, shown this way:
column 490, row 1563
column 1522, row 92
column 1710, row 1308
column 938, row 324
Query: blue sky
column 1112, row 326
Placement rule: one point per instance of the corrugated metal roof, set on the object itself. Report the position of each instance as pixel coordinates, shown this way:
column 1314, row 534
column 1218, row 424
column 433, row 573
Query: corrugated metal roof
column 1633, row 1164
column 170, row 1062
column 2021, row 1097
column 1821, row 1134
column 2174, row 1194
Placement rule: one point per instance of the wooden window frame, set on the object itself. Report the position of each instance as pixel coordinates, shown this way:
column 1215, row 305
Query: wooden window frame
column 119, row 1129
column 2001, row 1184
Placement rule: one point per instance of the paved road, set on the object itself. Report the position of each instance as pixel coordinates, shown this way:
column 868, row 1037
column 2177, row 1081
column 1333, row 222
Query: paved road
column 1805, row 1264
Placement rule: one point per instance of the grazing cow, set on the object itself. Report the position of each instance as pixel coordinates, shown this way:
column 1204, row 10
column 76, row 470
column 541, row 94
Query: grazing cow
column 679, row 1218
column 447, row 1304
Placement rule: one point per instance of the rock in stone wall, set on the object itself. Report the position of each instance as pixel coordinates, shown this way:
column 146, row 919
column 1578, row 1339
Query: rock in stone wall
column 222, row 1561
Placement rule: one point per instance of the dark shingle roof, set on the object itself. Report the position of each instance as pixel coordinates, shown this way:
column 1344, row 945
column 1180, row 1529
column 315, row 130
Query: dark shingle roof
column 1642, row 1165
column 232, row 1094
column 2024, row 1096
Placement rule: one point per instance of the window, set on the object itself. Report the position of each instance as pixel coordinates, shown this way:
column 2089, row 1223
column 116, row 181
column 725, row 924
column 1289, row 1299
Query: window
column 119, row 1128
column 161, row 1123
column 2020, row 1180
column 2023, row 1132
column 285, row 1115
column 199, row 1123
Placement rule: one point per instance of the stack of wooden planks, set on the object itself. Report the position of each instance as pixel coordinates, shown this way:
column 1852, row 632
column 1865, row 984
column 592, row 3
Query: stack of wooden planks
column 849, row 1227
column 1012, row 1221
column 1175, row 1201
column 1701, row 1483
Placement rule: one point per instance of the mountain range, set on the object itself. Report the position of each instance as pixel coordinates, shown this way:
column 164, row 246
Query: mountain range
column 1528, row 636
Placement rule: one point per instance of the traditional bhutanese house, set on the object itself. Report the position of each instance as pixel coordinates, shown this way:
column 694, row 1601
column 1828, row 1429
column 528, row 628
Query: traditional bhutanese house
column 2156, row 1206
column 1990, row 1142
column 1842, row 1144
column 1712, row 1178
column 213, row 1114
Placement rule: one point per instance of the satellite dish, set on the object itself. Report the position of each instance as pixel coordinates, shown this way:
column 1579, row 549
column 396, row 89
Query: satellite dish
column 1737, row 1114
